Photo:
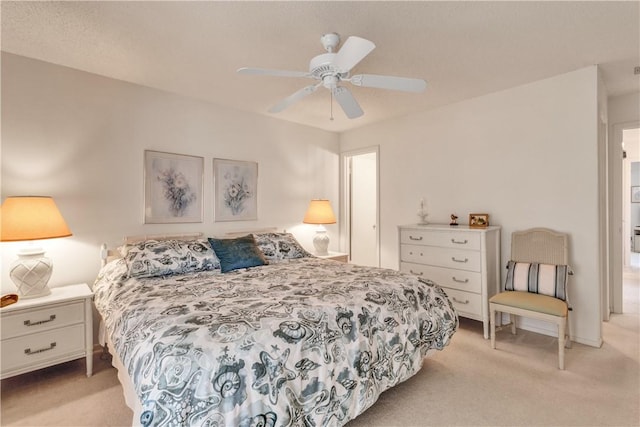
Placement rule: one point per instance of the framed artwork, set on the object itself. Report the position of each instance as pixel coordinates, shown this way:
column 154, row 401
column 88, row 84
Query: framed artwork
column 478, row 220
column 635, row 194
column 173, row 188
column 235, row 185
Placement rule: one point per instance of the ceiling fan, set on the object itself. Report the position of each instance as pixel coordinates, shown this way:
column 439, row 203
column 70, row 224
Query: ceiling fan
column 333, row 68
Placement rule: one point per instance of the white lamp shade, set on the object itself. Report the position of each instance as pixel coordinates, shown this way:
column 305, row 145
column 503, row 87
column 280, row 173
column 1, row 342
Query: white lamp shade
column 319, row 212
column 32, row 218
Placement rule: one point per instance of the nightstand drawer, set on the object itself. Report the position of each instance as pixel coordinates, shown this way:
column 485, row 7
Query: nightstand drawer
column 441, row 257
column 469, row 281
column 53, row 316
column 32, row 349
column 465, row 302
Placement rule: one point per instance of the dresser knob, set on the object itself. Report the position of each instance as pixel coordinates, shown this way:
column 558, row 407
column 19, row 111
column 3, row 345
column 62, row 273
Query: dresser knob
column 415, row 238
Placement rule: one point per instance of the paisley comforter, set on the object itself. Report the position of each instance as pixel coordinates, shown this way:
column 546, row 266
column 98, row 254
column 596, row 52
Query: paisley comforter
column 301, row 342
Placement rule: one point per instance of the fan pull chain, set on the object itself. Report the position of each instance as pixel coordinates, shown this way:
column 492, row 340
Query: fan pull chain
column 331, row 105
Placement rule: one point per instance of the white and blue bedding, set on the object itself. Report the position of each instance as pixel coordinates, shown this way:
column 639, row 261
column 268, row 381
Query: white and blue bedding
column 301, row 341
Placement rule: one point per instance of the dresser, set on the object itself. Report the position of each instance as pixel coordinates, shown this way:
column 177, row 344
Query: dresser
column 464, row 261
column 45, row 331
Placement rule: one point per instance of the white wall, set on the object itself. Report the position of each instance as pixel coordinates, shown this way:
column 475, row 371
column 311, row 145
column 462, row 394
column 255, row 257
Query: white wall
column 80, row 138
column 527, row 156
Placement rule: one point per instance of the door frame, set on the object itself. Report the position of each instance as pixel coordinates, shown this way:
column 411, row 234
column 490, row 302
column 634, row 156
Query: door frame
column 345, row 196
column 616, row 254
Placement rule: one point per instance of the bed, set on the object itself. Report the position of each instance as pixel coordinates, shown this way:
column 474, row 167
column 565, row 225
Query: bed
column 258, row 332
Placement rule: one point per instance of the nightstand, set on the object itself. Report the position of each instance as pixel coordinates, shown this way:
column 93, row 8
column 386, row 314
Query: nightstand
column 45, row 331
column 336, row 256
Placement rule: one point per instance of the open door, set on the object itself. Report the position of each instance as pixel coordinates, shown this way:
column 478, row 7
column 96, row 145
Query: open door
column 360, row 171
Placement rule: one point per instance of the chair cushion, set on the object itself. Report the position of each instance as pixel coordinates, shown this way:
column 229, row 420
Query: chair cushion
column 545, row 279
column 533, row 302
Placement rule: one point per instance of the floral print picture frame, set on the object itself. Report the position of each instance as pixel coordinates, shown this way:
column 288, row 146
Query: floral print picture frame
column 235, row 190
column 173, row 188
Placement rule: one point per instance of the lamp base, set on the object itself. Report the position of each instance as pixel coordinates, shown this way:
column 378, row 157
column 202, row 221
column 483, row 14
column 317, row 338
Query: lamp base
column 31, row 272
column 321, row 242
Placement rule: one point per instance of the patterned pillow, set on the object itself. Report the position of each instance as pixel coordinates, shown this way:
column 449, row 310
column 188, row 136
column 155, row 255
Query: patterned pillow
column 152, row 258
column 545, row 279
column 279, row 246
column 241, row 252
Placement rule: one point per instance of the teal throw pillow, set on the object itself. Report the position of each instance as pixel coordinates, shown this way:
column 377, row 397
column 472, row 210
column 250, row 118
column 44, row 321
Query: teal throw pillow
column 241, row 252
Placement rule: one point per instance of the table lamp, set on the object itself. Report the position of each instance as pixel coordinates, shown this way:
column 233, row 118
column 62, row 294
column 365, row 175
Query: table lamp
column 27, row 218
column 320, row 213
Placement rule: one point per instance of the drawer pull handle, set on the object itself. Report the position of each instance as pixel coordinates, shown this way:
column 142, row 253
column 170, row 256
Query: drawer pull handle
column 454, row 259
column 415, row 238
column 29, row 352
column 40, row 322
column 417, row 273
column 460, row 281
column 459, row 242
column 461, row 302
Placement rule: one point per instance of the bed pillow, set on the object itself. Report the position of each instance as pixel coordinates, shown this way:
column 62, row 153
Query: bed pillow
column 152, row 258
column 279, row 246
column 545, row 279
column 241, row 252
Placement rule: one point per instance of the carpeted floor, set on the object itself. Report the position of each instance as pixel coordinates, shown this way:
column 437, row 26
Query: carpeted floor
column 467, row 384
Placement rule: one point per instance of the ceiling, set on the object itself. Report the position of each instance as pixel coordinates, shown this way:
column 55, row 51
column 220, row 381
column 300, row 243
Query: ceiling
column 462, row 49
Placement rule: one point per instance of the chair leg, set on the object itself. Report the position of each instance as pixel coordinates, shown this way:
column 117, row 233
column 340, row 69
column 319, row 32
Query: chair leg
column 561, row 334
column 567, row 344
column 492, row 322
column 512, row 320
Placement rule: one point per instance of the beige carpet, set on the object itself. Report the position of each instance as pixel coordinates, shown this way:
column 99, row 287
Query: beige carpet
column 467, row 384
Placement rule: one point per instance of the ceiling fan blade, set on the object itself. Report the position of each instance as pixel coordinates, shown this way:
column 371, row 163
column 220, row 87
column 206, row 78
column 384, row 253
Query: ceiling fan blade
column 389, row 82
column 348, row 103
column 268, row 72
column 352, row 51
column 293, row 98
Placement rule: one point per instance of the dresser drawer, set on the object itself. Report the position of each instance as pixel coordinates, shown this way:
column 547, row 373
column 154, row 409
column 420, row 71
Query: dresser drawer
column 32, row 349
column 463, row 280
column 441, row 257
column 53, row 316
column 444, row 239
column 465, row 302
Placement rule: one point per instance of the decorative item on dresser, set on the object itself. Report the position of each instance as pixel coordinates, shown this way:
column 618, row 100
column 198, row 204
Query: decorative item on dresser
column 27, row 218
column 465, row 261
column 42, row 332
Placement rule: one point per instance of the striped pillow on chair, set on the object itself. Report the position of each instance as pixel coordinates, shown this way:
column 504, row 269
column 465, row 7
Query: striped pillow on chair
column 545, row 279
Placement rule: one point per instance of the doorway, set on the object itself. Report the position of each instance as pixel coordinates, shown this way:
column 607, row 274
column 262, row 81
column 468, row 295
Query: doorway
column 360, row 201
column 623, row 261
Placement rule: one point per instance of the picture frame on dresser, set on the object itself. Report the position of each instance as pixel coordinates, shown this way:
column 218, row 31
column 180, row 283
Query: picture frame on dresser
column 478, row 220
